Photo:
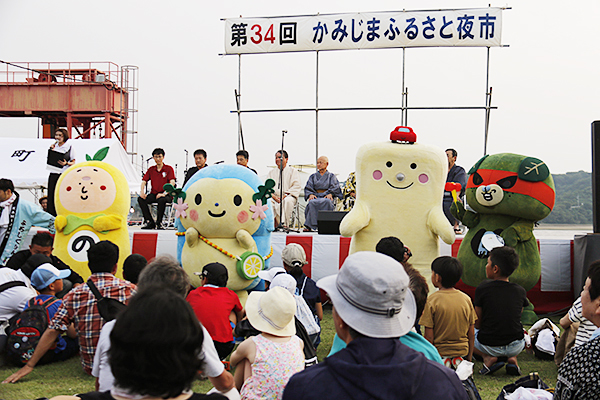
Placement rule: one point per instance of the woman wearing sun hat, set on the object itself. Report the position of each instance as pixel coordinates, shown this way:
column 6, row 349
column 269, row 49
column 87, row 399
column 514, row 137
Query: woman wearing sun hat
column 265, row 363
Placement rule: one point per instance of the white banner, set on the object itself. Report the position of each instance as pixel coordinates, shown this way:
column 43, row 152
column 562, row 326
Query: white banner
column 443, row 28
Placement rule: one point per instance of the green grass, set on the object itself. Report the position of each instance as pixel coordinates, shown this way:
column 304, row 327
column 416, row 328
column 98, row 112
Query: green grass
column 67, row 378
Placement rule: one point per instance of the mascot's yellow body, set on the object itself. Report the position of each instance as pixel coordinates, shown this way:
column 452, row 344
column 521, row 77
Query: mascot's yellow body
column 218, row 211
column 92, row 202
column 399, row 192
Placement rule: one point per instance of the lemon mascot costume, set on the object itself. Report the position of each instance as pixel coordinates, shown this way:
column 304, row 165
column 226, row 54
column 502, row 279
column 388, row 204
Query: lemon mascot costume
column 399, row 192
column 92, row 202
column 223, row 216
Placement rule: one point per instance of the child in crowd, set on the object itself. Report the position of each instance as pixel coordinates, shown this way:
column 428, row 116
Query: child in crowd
column 449, row 316
column 498, row 305
column 265, row 363
column 132, row 266
column 47, row 280
column 213, row 304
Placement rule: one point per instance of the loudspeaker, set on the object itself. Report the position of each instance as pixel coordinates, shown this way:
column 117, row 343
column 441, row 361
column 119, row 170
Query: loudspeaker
column 328, row 222
column 596, row 175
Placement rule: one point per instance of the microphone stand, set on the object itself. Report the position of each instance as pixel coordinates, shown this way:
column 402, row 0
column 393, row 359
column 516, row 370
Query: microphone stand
column 280, row 227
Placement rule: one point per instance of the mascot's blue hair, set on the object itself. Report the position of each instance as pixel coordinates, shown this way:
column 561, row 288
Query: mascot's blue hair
column 262, row 236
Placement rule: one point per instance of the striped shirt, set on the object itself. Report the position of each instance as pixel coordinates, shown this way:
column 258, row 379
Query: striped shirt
column 586, row 327
column 79, row 307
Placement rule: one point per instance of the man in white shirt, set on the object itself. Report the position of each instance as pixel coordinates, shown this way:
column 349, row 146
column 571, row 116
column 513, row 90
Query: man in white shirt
column 291, row 187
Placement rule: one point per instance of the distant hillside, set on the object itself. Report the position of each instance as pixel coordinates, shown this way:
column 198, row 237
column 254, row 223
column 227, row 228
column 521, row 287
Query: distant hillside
column 573, row 199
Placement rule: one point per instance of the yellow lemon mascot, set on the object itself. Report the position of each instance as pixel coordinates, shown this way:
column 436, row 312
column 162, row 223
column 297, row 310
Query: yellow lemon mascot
column 399, row 192
column 92, row 202
column 224, row 216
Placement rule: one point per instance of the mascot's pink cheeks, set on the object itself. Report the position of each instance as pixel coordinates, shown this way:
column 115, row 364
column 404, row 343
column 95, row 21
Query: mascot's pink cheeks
column 242, row 217
column 194, row 215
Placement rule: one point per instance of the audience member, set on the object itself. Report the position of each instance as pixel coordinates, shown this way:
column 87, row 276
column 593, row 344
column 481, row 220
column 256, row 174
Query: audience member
column 586, row 327
column 498, row 305
column 44, row 203
column 48, row 281
column 79, row 307
column 200, row 160
column 64, row 147
column 319, row 192
column 42, row 243
column 372, row 308
column 133, row 266
column 393, row 247
column 166, row 272
column 294, row 258
column 213, row 304
column 16, row 219
column 456, row 174
column 291, row 187
column 242, row 157
column 349, row 192
column 578, row 373
column 158, row 175
column 15, row 291
column 449, row 316
column 264, row 363
column 149, row 358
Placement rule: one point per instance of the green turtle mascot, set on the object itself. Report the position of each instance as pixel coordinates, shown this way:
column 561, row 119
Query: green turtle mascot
column 508, row 194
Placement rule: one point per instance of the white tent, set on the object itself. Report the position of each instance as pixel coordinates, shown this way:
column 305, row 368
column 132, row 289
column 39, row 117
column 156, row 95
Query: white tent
column 24, row 160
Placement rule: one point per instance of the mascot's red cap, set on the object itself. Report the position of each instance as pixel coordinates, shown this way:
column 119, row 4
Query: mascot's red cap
column 403, row 134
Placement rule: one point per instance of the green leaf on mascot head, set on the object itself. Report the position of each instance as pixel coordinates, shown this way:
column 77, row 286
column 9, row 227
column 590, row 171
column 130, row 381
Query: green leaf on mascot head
column 264, row 191
column 100, row 154
column 477, row 164
column 88, row 158
column 533, row 170
column 175, row 192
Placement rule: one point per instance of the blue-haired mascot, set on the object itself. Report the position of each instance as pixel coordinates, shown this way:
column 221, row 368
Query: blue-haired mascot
column 223, row 216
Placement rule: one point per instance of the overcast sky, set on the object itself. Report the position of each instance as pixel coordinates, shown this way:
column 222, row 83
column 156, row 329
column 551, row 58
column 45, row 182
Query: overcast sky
column 545, row 84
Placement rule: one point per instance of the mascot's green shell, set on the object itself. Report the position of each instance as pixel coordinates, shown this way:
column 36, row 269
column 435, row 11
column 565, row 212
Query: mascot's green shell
column 508, row 194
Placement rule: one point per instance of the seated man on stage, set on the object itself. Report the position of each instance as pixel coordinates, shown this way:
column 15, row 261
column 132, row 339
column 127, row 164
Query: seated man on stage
column 291, row 187
column 158, row 175
column 321, row 188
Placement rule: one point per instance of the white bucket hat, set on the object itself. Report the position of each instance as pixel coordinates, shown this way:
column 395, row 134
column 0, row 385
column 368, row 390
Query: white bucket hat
column 371, row 294
column 272, row 312
column 269, row 274
column 285, row 281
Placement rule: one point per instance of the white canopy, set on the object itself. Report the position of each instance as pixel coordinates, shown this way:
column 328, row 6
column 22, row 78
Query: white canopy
column 23, row 160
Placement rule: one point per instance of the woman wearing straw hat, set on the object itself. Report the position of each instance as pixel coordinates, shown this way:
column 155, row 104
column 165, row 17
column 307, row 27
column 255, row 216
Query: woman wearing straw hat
column 265, row 363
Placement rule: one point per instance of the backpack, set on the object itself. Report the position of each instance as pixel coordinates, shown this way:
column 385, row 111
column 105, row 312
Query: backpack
column 25, row 331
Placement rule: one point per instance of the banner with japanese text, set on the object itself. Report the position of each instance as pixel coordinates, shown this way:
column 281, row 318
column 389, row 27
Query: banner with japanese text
column 440, row 28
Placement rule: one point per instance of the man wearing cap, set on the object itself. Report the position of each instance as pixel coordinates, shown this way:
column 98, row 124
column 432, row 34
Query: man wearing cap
column 372, row 307
column 48, row 280
column 213, row 303
column 294, row 258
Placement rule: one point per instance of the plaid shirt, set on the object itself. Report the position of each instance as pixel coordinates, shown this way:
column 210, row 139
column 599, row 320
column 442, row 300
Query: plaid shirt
column 79, row 307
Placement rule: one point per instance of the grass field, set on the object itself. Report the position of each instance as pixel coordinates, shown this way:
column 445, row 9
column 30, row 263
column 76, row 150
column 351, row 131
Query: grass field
column 68, row 378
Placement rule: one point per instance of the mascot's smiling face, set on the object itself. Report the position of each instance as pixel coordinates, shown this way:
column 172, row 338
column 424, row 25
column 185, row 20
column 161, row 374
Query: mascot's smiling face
column 218, row 208
column 511, row 184
column 87, row 190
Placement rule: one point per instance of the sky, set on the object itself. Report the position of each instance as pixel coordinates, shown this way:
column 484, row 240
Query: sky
column 545, row 83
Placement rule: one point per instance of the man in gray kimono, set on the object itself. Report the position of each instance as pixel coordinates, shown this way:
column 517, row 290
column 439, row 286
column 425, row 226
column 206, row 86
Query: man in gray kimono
column 320, row 190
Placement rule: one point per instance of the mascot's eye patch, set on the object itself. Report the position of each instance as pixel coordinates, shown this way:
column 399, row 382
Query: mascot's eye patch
column 388, row 164
column 413, row 166
column 237, row 200
column 508, row 182
column 477, row 179
column 198, row 199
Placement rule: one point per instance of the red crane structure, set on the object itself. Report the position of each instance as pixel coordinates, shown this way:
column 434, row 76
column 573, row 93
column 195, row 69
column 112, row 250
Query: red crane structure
column 90, row 99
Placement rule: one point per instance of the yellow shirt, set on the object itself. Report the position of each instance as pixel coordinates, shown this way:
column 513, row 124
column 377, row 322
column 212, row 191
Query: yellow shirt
column 450, row 313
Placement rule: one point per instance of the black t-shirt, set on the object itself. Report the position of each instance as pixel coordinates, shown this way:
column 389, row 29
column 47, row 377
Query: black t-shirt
column 501, row 306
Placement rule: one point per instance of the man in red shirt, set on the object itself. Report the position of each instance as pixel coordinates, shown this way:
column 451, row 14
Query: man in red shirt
column 213, row 304
column 158, row 175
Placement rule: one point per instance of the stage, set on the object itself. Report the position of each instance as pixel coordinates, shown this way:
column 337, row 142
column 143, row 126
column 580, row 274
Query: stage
column 326, row 253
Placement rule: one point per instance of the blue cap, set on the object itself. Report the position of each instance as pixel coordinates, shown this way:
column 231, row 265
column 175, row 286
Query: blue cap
column 47, row 273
